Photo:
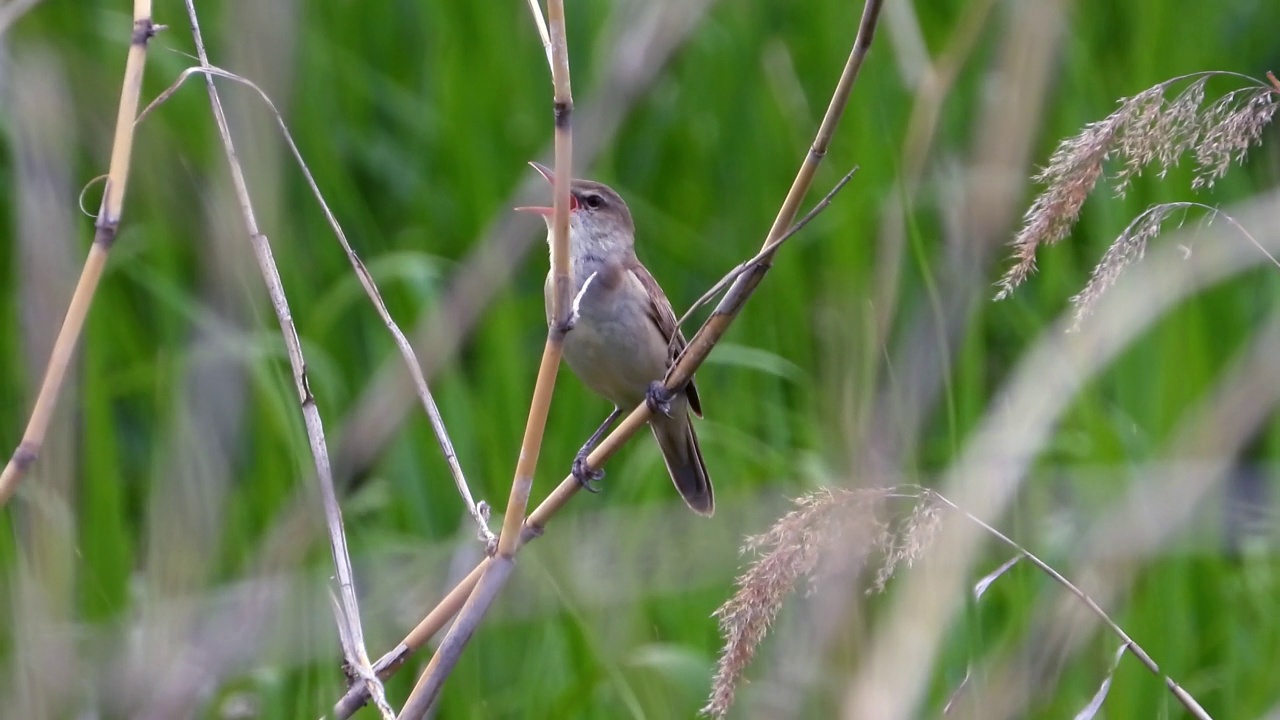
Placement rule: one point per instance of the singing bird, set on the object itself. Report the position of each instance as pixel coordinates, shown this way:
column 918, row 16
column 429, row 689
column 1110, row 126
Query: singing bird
column 624, row 335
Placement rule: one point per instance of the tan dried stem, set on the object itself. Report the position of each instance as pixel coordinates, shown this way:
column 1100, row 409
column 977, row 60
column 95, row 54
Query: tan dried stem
column 499, row 568
column 641, row 40
column 522, row 485
column 106, row 229
column 640, row 51
column 346, row 605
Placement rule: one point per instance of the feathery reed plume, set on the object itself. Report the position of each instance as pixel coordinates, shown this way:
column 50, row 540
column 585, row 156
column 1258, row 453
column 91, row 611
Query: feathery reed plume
column 793, row 548
column 911, row 538
column 1130, row 246
column 1146, row 131
column 1127, row 249
column 850, row 521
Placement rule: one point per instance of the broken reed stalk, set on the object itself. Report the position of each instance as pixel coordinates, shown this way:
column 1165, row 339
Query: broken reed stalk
column 694, row 355
column 499, row 568
column 106, row 229
column 346, row 605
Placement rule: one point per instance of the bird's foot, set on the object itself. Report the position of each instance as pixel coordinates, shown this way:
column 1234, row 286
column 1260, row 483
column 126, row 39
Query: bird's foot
column 659, row 398
column 583, row 473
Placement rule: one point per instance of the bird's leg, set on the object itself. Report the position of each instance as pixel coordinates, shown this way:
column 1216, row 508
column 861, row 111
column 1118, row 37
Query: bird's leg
column 658, row 398
column 582, row 471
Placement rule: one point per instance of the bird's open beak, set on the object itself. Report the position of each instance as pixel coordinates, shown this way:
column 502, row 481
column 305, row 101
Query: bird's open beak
column 544, row 171
column 550, row 176
column 543, row 211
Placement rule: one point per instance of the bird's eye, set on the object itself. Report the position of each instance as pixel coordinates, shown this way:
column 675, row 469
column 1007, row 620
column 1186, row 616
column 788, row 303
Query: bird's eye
column 594, row 201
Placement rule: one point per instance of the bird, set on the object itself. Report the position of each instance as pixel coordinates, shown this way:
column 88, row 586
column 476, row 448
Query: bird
column 624, row 335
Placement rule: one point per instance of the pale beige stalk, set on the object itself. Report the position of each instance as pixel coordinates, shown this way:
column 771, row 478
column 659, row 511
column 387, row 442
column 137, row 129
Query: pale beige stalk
column 107, row 225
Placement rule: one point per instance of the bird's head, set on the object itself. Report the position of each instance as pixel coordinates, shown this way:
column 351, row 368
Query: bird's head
column 599, row 220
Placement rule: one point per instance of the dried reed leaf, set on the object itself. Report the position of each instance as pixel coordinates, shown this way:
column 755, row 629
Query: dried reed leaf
column 981, row 587
column 1091, row 710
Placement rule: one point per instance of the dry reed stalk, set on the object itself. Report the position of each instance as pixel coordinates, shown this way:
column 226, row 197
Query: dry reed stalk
column 522, row 485
column 640, row 51
column 346, row 604
column 106, row 228
column 642, row 39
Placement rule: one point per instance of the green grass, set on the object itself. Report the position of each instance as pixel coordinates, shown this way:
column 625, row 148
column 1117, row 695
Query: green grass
column 417, row 119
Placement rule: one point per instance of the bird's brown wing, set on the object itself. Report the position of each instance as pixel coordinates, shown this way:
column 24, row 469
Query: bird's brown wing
column 665, row 319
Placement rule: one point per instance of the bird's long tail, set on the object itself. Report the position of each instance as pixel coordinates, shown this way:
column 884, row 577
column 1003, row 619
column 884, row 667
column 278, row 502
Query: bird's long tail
column 683, row 457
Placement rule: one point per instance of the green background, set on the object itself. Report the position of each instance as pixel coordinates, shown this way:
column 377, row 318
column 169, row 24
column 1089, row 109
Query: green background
column 178, row 447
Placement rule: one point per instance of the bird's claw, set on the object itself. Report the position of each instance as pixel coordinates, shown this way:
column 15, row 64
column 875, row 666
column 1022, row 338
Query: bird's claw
column 583, row 473
column 658, row 398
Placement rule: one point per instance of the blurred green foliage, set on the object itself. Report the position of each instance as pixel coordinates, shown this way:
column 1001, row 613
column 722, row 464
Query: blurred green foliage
column 417, row 119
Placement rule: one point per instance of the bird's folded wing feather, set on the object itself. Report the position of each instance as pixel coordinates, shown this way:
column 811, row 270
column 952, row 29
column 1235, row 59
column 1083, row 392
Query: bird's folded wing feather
column 665, row 319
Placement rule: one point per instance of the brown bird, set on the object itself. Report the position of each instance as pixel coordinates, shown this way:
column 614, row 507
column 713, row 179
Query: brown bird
column 624, row 335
